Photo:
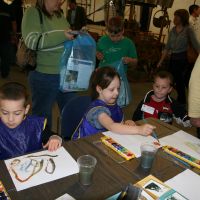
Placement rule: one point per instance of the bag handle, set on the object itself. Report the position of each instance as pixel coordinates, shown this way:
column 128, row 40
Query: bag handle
column 41, row 24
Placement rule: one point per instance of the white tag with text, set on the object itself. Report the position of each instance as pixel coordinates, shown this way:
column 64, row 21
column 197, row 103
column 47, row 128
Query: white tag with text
column 147, row 109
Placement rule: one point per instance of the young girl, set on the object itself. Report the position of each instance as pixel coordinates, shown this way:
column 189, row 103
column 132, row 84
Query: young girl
column 104, row 114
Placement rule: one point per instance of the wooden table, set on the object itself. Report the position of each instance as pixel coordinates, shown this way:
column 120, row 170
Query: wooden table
column 164, row 167
column 109, row 176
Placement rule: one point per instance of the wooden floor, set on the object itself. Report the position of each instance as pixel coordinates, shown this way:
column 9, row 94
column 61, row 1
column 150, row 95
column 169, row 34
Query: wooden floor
column 139, row 90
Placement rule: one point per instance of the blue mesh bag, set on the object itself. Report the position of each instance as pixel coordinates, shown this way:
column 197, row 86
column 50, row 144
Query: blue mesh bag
column 77, row 63
column 125, row 94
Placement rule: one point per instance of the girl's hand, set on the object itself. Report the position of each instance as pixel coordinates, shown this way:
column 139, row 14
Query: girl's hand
column 146, row 129
column 54, row 143
column 68, row 35
column 130, row 123
column 99, row 55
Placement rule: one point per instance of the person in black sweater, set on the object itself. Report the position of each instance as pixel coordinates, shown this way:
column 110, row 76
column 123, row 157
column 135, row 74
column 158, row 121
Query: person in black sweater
column 76, row 16
column 7, row 38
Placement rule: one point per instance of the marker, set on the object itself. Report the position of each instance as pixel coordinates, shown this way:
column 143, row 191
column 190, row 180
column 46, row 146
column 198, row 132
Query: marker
column 179, row 160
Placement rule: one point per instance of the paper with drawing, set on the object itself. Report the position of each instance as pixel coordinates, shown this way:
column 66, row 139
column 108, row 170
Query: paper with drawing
column 183, row 142
column 41, row 167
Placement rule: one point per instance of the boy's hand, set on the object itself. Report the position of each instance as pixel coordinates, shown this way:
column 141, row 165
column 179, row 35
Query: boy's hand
column 130, row 123
column 54, row 143
column 99, row 55
column 126, row 60
column 146, row 129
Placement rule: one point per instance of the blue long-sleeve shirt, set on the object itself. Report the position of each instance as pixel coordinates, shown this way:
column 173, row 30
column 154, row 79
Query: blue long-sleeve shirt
column 179, row 42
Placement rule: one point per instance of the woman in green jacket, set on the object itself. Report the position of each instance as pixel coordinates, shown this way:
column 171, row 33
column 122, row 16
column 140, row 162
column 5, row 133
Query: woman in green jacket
column 44, row 81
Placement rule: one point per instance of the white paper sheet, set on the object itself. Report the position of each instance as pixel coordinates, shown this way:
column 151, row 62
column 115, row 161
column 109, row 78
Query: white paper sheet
column 183, row 142
column 186, row 183
column 21, row 166
column 131, row 142
column 65, row 197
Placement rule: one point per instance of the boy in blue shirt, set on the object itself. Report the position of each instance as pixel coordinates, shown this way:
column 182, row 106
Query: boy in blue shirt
column 19, row 133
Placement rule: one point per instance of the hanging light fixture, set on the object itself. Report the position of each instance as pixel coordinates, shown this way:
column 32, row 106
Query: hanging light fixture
column 8, row 1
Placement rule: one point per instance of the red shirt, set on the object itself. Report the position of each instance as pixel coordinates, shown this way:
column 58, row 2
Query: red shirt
column 160, row 107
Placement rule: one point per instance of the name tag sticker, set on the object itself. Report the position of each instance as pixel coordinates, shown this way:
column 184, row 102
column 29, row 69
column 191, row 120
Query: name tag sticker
column 147, row 109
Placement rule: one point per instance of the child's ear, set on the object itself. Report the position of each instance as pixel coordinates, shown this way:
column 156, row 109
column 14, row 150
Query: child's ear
column 170, row 89
column 98, row 89
column 27, row 109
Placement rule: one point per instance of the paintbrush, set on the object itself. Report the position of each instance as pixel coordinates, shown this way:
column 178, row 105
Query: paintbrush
column 154, row 134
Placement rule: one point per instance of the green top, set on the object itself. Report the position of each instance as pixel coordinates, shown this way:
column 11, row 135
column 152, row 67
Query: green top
column 114, row 51
column 51, row 44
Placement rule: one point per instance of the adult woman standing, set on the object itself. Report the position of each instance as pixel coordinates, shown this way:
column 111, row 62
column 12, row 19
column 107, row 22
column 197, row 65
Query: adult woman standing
column 179, row 38
column 44, row 81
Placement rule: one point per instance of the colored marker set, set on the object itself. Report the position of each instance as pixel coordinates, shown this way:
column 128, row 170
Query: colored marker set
column 182, row 156
column 118, row 148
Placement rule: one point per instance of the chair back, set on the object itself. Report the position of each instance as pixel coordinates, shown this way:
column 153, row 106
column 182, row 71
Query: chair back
column 72, row 114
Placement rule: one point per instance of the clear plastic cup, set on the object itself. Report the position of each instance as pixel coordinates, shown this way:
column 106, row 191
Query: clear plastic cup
column 86, row 165
column 148, row 152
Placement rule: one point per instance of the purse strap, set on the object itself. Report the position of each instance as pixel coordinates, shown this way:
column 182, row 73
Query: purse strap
column 41, row 24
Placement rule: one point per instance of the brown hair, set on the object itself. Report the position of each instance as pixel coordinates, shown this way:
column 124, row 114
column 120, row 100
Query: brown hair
column 164, row 75
column 193, row 8
column 101, row 77
column 115, row 25
column 184, row 16
column 13, row 91
column 40, row 4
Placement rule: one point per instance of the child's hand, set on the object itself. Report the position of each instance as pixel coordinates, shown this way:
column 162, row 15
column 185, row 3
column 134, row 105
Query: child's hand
column 130, row 123
column 99, row 55
column 54, row 143
column 146, row 129
column 126, row 60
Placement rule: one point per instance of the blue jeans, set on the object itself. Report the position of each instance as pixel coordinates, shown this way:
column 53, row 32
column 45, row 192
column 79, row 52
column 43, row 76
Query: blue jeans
column 45, row 92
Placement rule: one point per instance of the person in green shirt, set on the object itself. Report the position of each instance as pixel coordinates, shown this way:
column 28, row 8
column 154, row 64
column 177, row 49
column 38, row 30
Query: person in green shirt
column 44, row 81
column 114, row 46
column 118, row 51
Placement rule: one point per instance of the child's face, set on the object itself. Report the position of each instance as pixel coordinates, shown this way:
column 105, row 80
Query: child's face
column 110, row 94
column 12, row 112
column 116, row 37
column 177, row 20
column 161, row 88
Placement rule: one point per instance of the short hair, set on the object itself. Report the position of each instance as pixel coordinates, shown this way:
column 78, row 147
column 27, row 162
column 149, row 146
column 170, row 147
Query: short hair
column 13, row 91
column 184, row 16
column 192, row 8
column 101, row 77
column 164, row 75
column 115, row 25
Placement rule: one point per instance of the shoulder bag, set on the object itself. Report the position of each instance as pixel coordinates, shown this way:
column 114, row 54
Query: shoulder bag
column 25, row 57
